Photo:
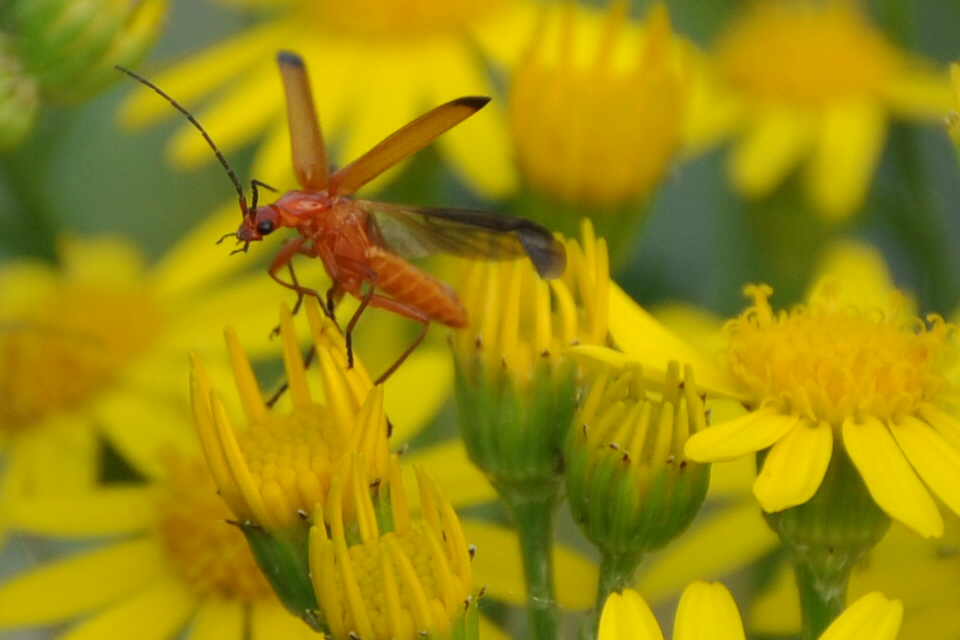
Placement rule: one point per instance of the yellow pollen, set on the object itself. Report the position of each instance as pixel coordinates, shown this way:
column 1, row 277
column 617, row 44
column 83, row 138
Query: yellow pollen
column 209, row 555
column 69, row 347
column 290, row 457
column 807, row 53
column 827, row 361
column 401, row 20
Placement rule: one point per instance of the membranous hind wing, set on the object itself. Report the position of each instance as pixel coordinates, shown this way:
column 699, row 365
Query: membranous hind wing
column 414, row 232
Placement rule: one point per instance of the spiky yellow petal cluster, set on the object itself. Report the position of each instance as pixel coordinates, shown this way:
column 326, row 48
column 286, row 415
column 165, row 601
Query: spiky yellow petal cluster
column 517, row 319
column 388, row 577
column 213, row 559
column 280, row 466
column 829, row 362
column 596, row 107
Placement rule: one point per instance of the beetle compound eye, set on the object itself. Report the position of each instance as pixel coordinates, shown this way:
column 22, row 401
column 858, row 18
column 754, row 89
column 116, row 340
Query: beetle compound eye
column 265, row 227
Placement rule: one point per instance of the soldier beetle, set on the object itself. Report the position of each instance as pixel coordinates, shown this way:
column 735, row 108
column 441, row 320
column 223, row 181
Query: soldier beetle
column 362, row 242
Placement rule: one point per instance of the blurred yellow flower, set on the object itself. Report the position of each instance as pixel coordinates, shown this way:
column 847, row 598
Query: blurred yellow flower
column 598, row 103
column 377, row 65
column 817, row 85
column 173, row 564
column 95, row 347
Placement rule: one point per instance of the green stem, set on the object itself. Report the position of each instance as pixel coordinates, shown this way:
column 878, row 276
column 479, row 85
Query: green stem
column 822, row 598
column 534, row 519
column 616, row 574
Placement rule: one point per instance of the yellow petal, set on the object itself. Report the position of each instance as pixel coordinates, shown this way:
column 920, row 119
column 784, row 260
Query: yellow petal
column 498, row 565
column 627, row 617
column 934, row 459
column 889, row 478
column 219, row 619
column 708, row 612
column 418, row 389
column 647, row 341
column 60, row 590
column 776, row 143
column 861, row 268
column 158, row 613
column 104, row 511
column 776, row 611
column 746, row 538
column 847, row 153
column 755, row 431
column 872, row 617
column 270, row 621
column 489, row 630
column 794, row 468
column 463, row 483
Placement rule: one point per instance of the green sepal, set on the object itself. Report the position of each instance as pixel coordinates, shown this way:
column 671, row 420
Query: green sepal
column 514, row 430
column 284, row 561
column 467, row 626
column 826, row 537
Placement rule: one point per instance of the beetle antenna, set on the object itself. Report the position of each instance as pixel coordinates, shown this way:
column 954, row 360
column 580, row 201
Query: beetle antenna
column 203, row 132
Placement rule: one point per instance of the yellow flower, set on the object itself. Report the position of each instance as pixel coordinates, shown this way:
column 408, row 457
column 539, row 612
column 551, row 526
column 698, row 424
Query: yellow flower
column 953, row 116
column 272, row 485
column 840, row 370
column 376, row 64
column 597, row 104
column 708, row 611
column 382, row 575
column 174, row 563
column 817, row 85
column 95, row 347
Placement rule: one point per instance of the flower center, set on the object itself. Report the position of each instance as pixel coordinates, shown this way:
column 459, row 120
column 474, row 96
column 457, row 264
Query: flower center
column 806, row 53
column 828, row 362
column 210, row 555
column 69, row 347
column 291, row 457
column 402, row 19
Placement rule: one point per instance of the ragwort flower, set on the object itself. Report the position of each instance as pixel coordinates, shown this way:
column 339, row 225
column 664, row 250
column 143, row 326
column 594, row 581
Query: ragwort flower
column 172, row 564
column 100, row 338
column 817, row 86
column 847, row 373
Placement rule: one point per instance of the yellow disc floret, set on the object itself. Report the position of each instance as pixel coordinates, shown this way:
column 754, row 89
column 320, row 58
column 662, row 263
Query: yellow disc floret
column 826, row 361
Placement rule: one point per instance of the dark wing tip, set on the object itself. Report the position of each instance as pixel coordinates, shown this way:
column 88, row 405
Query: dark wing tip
column 548, row 255
column 474, row 102
column 289, row 58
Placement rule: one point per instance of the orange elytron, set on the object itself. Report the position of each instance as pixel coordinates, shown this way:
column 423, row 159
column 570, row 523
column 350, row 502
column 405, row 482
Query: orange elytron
column 363, row 242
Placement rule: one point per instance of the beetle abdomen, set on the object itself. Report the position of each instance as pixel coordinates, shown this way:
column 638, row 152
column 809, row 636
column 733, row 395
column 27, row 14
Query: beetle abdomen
column 413, row 286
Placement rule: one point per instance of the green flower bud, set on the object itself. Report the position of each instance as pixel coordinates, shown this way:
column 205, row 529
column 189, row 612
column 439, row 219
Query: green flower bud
column 631, row 488
column 18, row 96
column 71, row 46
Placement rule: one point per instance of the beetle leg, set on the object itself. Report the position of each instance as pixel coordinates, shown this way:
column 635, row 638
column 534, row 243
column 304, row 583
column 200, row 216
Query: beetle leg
column 285, row 259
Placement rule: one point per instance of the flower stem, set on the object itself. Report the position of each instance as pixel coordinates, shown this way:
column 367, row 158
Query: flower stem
column 616, row 574
column 534, row 518
column 822, row 599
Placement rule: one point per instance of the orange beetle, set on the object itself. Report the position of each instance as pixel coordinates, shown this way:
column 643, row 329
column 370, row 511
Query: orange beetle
column 363, row 242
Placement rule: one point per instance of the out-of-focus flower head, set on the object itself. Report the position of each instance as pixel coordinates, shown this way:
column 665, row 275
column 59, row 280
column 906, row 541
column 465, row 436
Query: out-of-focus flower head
column 171, row 563
column 816, row 85
column 381, row 64
column 65, row 51
column 953, row 116
column 597, row 106
column 88, row 343
column 709, row 611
